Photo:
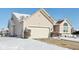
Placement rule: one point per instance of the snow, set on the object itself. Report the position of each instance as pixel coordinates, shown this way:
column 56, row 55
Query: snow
column 18, row 15
column 68, row 38
column 10, row 43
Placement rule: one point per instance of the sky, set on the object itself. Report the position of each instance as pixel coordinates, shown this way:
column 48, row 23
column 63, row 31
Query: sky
column 57, row 13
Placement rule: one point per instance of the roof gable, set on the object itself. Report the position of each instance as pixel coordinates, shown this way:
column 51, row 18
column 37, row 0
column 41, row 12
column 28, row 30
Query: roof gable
column 59, row 22
column 69, row 22
column 20, row 16
column 46, row 15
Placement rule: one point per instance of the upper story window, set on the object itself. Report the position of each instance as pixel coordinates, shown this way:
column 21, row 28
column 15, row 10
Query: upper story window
column 11, row 18
column 65, row 27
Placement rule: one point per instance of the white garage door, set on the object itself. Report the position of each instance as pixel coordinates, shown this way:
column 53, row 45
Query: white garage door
column 39, row 32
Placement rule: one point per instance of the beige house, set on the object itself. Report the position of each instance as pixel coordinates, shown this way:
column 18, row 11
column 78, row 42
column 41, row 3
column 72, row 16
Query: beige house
column 62, row 27
column 38, row 25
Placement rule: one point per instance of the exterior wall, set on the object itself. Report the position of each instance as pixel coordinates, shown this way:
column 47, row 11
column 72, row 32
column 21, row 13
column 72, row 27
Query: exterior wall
column 62, row 27
column 56, row 28
column 18, row 27
column 37, row 19
column 40, row 21
column 10, row 25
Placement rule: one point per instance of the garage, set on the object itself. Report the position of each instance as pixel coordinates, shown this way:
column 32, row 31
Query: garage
column 39, row 32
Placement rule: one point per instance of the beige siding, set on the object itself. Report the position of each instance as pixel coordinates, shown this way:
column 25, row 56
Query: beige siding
column 38, row 19
column 58, row 29
column 61, row 28
column 18, row 27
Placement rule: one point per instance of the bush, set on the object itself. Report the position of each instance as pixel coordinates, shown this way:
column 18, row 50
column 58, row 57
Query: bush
column 76, row 33
column 27, row 33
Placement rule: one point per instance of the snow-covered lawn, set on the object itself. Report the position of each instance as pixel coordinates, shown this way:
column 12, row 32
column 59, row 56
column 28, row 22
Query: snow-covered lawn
column 10, row 43
column 68, row 38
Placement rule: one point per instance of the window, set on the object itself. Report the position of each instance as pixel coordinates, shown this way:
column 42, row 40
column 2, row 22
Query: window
column 13, row 29
column 65, row 27
column 12, row 18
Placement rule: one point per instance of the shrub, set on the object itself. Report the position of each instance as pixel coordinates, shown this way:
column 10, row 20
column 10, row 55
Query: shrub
column 27, row 33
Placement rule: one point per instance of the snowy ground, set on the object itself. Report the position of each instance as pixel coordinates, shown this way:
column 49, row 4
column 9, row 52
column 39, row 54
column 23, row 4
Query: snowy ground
column 68, row 38
column 8, row 43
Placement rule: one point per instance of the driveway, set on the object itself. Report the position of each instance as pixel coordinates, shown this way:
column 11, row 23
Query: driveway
column 74, row 45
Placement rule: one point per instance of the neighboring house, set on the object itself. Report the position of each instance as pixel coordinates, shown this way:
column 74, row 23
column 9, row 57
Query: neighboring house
column 39, row 24
column 62, row 28
column 4, row 32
